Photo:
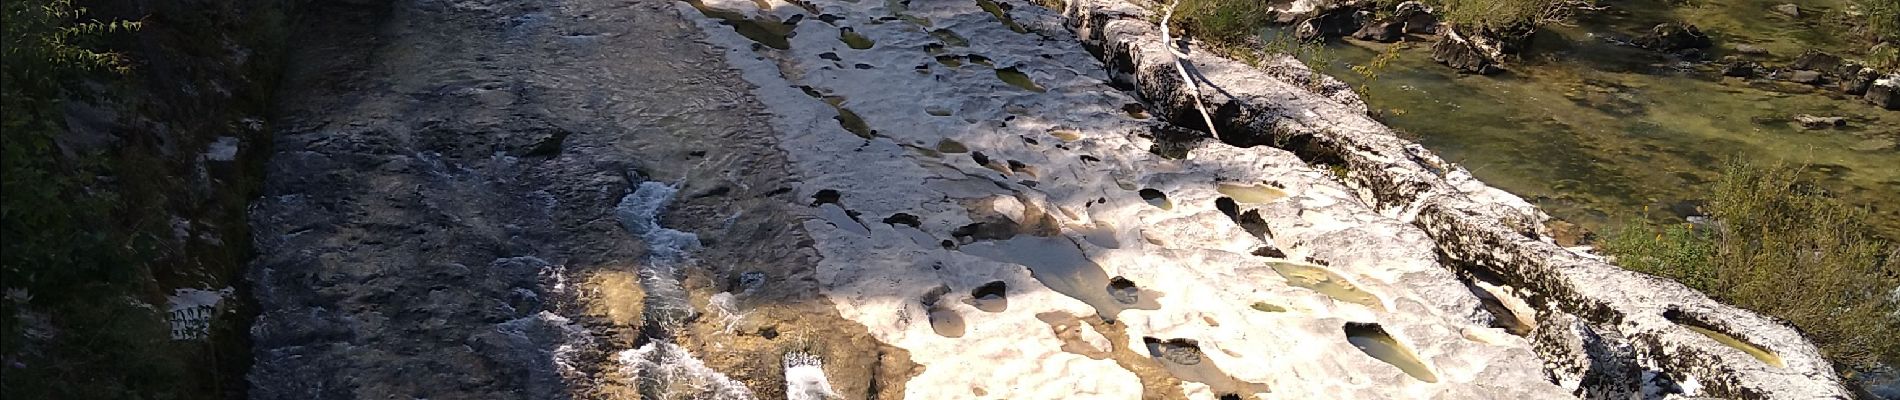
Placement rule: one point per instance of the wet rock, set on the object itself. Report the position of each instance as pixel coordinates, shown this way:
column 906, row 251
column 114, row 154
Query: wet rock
column 1857, row 82
column 1805, row 77
column 1818, row 122
column 1816, row 61
column 1335, row 22
column 1456, row 52
column 1737, row 67
column 1749, row 49
column 1383, row 31
column 1674, row 37
column 1791, row 10
column 1885, row 92
column 1417, row 17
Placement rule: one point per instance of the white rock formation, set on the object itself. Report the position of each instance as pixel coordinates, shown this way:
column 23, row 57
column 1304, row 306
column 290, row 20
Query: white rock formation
column 1006, row 159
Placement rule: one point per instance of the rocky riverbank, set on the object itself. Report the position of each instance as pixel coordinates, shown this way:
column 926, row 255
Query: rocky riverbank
column 909, row 199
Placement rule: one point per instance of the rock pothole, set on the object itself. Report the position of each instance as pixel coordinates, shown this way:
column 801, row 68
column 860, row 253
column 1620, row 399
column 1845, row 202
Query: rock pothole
column 1372, row 339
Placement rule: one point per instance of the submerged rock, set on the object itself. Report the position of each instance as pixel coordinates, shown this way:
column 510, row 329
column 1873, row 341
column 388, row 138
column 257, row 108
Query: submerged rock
column 1740, row 68
column 1674, row 37
column 1805, row 77
column 1814, row 60
column 1817, row 122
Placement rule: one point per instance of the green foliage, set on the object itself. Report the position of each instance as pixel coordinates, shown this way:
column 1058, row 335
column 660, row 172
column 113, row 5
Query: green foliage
column 49, row 213
column 1222, row 22
column 1370, row 71
column 1882, row 19
column 1498, row 14
column 1880, row 25
column 1781, row 248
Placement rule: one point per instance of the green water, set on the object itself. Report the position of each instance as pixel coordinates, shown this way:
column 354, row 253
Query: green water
column 1596, row 133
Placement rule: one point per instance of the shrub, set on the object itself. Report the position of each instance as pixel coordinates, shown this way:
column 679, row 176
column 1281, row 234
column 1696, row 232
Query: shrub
column 1785, row 249
column 1224, row 22
column 1499, row 14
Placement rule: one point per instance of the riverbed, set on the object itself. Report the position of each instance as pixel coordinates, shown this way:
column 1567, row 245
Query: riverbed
column 1598, row 133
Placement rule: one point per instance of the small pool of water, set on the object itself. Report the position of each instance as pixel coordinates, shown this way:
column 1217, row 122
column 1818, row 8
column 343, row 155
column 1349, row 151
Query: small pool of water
column 1374, row 341
column 1596, row 133
column 1326, row 282
column 1766, row 357
column 1251, row 194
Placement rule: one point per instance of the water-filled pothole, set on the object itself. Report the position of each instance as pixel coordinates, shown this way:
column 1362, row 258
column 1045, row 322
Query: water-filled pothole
column 1135, row 110
column 943, row 320
column 765, row 31
column 1000, row 11
column 848, row 119
column 1262, row 306
column 1251, row 194
column 1059, row 264
column 1372, row 339
column 950, row 60
column 855, row 40
column 948, row 146
column 1185, row 360
column 1325, row 282
column 1508, row 311
column 1017, row 78
column 1759, row 353
column 949, row 37
column 1156, row 198
column 990, row 297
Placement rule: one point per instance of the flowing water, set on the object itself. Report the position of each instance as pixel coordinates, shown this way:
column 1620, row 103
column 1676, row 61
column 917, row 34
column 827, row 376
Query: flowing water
column 1597, row 133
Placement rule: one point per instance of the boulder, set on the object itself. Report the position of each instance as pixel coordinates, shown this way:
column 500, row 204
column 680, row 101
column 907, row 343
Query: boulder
column 1481, row 50
column 1885, row 92
column 1334, row 22
column 1383, row 31
column 1788, row 10
column 1463, row 55
column 1417, row 17
column 1816, row 61
column 1737, row 67
column 1857, row 83
column 1817, row 122
column 1673, row 37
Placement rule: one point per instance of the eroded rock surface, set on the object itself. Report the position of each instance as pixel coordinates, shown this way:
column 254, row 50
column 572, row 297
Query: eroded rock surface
column 1008, row 158
column 1482, row 229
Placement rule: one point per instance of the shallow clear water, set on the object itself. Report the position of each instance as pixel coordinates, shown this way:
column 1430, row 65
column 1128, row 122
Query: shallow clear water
column 1759, row 353
column 1374, row 341
column 1597, row 133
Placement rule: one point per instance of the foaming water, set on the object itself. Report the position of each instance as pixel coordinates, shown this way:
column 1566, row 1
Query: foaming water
column 667, row 250
column 666, row 371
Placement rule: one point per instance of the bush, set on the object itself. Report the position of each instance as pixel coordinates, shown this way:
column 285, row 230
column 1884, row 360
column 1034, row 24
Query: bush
column 1787, row 250
column 1500, row 14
